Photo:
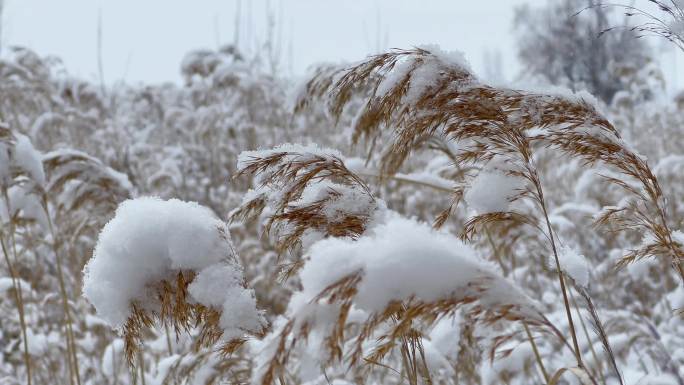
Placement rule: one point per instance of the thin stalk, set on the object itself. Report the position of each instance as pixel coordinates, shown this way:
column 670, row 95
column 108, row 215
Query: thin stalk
column 679, row 264
column 561, row 280
column 537, row 356
column 17, row 287
column 69, row 347
column 497, row 255
column 599, row 364
column 73, row 358
column 426, row 371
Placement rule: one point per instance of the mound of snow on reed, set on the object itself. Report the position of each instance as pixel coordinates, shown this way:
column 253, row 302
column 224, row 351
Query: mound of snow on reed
column 150, row 240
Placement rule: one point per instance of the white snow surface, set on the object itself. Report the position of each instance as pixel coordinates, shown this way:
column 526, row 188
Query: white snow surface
column 492, row 191
column 454, row 58
column 573, row 264
column 221, row 287
column 25, row 200
column 397, row 74
column 350, row 200
column 29, row 159
column 6, row 283
column 150, row 239
column 298, row 150
column 445, row 337
column 402, row 259
column 422, row 74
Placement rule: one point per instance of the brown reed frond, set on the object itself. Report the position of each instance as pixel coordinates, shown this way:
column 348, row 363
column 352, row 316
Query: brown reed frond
column 478, row 223
column 288, row 174
column 311, row 217
column 646, row 211
column 420, row 94
column 249, row 209
column 399, row 325
column 174, row 309
column 454, row 104
column 444, row 216
column 188, row 366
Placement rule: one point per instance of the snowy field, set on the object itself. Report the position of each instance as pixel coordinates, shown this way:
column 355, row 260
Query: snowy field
column 403, row 215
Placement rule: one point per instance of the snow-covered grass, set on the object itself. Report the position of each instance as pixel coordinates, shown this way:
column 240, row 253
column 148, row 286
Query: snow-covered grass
column 317, row 264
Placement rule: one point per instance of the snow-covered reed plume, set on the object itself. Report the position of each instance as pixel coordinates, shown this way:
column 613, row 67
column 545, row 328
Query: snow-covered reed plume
column 362, row 259
column 331, row 272
column 426, row 92
column 306, row 189
column 172, row 262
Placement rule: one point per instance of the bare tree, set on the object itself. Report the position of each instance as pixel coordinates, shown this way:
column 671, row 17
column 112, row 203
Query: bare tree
column 563, row 43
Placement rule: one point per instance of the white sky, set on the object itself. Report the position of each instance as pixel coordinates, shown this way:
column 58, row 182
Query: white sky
column 144, row 40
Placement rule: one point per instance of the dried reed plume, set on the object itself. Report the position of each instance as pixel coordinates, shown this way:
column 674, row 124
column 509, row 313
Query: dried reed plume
column 286, row 175
column 418, row 93
column 174, row 308
column 492, row 122
column 399, row 327
column 87, row 180
column 289, row 173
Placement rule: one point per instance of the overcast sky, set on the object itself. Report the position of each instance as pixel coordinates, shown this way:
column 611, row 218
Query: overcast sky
column 145, row 40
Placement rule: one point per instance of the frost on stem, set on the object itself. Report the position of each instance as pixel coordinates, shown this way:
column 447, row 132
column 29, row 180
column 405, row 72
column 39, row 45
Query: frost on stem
column 668, row 23
column 172, row 262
